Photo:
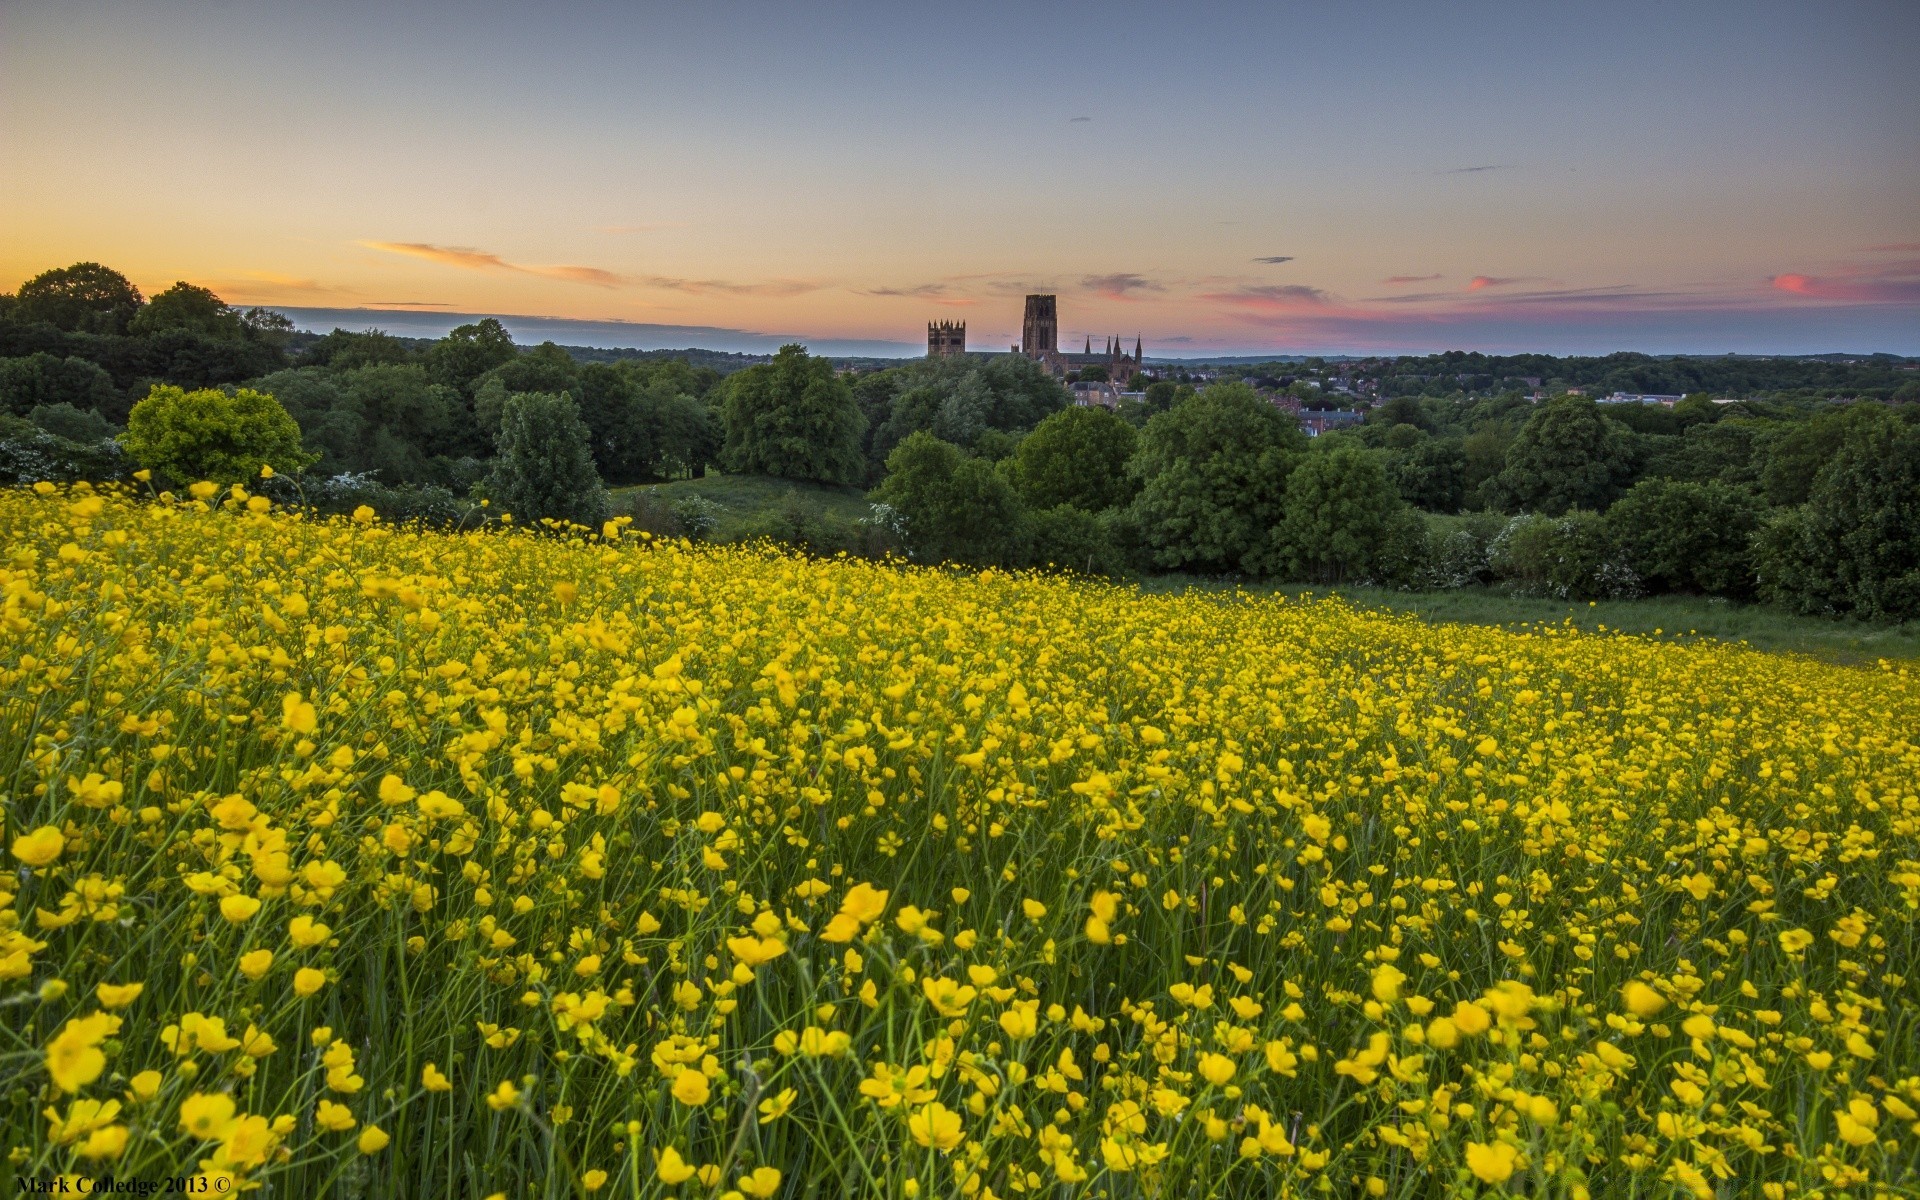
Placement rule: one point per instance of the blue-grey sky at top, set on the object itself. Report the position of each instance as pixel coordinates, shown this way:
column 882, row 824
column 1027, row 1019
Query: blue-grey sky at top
column 747, row 165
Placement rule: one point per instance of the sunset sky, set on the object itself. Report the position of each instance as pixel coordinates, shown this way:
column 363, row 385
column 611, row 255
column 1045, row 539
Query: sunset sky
column 1253, row 177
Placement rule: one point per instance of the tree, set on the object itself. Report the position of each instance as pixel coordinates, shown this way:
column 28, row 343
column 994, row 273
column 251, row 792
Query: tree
column 1854, row 547
column 185, row 306
column 1568, row 455
column 1338, row 510
column 792, row 418
column 83, row 298
column 213, row 435
column 1432, row 474
column 545, row 467
column 1213, row 473
column 1688, row 536
column 1791, row 458
column 1077, row 456
column 40, row 378
column 468, row 352
column 951, row 508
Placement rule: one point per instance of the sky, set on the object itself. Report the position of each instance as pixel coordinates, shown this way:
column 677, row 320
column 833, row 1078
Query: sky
column 1702, row 177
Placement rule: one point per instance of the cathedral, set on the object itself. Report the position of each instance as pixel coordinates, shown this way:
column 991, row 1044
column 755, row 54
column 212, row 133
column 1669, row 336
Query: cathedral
column 1040, row 341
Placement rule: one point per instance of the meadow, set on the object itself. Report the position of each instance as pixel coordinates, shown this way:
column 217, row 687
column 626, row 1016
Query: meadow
column 353, row 859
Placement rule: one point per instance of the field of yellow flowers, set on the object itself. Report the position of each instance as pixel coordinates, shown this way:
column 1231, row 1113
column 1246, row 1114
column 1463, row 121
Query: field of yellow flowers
column 348, row 859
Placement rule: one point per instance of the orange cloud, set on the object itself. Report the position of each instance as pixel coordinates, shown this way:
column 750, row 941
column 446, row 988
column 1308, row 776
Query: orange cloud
column 1478, row 282
column 465, row 257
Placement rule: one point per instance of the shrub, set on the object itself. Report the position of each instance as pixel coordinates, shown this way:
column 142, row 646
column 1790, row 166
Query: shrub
column 1335, row 519
column 1461, row 549
column 1855, row 547
column 1069, row 538
column 545, row 470
column 221, row 436
column 1688, row 537
column 1573, row 557
column 30, row 454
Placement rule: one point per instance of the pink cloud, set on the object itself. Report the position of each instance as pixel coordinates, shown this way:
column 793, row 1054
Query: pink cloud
column 1398, row 279
column 1881, row 283
column 1479, row 282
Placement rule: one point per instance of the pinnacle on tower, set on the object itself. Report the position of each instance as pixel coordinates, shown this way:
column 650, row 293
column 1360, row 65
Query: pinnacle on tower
column 1089, row 349
column 1137, row 359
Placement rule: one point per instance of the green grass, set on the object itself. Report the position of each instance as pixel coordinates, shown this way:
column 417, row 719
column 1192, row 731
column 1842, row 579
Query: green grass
column 1763, row 628
column 745, row 497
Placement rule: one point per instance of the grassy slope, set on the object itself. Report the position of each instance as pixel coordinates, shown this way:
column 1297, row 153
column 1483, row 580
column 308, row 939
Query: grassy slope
column 1761, row 627
column 745, row 496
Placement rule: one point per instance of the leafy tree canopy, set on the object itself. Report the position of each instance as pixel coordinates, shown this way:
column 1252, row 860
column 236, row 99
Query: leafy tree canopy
column 83, row 298
column 1077, row 456
column 213, row 435
column 793, row 418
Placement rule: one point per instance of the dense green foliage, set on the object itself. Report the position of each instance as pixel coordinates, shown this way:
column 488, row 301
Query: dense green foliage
column 1213, row 473
column 544, row 471
column 208, row 434
column 1077, row 456
column 792, row 418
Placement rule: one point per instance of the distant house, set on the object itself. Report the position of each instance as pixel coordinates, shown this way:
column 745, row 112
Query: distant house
column 1639, row 398
column 1316, row 421
column 1089, row 392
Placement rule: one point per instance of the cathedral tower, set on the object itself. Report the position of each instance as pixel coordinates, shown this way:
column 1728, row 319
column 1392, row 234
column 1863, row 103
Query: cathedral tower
column 1040, row 330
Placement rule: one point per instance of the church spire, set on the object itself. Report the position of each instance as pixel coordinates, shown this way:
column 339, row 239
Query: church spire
column 1137, row 358
column 1089, row 349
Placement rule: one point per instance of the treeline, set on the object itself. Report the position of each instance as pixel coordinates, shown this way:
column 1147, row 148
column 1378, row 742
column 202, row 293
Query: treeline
column 1883, row 377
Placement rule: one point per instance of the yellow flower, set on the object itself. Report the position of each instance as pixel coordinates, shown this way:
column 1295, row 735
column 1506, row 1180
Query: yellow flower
column 690, row 1087
column 776, row 1106
column 672, row 1170
column 335, row 1118
column 112, row 995
column 432, row 1080
column 935, row 1126
column 1216, row 1069
column 239, row 908
column 1491, row 1163
column 306, row 933
column 1386, row 982
column 297, row 715
column 74, row 1058
column 595, row 1179
column 1020, row 1022
column 862, row 905
column 503, row 1097
column 1793, row 941
column 373, row 1140
column 1641, row 1000
column 255, row 963
column 1034, row 909
column 145, row 1085
column 762, row 1182
column 308, row 980
column 1469, row 1018
column 207, row 1116
column 40, row 847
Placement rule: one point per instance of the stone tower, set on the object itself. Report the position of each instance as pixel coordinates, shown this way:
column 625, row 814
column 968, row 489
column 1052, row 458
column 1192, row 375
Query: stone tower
column 946, row 339
column 1040, row 331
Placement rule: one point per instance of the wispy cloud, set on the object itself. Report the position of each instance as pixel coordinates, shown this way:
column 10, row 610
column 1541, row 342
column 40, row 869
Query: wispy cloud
column 469, row 259
column 1476, row 170
column 1120, row 286
column 1881, row 283
column 1482, row 282
column 1292, row 297
column 1275, row 259
column 1400, row 279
